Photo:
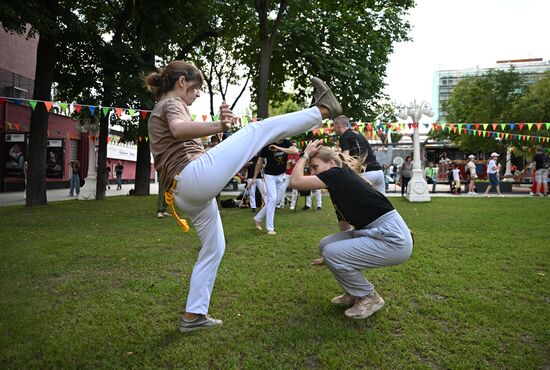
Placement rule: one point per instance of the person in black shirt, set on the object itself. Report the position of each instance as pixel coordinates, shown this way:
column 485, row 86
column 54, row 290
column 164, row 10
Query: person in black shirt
column 355, row 145
column 275, row 157
column 252, row 185
column 380, row 236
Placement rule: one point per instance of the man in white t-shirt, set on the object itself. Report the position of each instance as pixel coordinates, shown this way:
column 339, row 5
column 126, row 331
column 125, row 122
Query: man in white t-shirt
column 472, row 175
column 492, row 174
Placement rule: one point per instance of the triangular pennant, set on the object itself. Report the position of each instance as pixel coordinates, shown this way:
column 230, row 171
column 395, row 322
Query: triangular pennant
column 105, row 111
column 507, row 135
column 502, row 126
column 64, row 107
column 512, row 125
column 539, row 125
column 443, row 125
column 32, row 103
column 520, row 126
column 494, row 126
column 468, row 126
column 476, row 125
column 92, row 109
column 204, row 117
column 485, row 125
column 118, row 112
column 547, row 124
column 77, row 108
column 194, row 117
column 48, row 105
column 143, row 114
column 529, row 125
column 131, row 112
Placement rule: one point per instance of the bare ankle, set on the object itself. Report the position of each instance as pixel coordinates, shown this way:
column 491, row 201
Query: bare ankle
column 188, row 316
column 325, row 113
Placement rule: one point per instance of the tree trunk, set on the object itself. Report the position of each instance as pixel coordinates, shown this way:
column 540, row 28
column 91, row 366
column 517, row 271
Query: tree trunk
column 101, row 183
column 38, row 135
column 265, row 64
column 143, row 161
column 143, row 167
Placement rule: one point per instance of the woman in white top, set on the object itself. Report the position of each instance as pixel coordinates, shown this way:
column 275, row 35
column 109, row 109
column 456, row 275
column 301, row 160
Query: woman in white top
column 471, row 172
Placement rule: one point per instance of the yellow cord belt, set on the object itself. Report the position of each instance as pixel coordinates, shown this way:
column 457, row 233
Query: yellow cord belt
column 169, row 198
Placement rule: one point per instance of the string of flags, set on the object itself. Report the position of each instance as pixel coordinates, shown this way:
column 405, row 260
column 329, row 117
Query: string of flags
column 479, row 129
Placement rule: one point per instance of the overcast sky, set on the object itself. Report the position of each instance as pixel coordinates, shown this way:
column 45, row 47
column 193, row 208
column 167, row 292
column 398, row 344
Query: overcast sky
column 451, row 34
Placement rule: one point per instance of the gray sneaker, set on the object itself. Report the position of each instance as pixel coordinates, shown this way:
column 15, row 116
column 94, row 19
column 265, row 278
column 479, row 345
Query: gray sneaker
column 202, row 322
column 366, row 306
column 325, row 98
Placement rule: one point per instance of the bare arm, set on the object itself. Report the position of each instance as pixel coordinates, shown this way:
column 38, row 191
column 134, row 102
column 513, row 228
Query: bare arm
column 187, row 130
column 300, row 182
column 258, row 168
column 291, row 150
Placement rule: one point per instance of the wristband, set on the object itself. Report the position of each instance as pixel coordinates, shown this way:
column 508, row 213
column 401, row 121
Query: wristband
column 305, row 156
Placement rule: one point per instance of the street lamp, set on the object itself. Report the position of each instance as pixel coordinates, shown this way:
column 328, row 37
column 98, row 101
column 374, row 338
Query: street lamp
column 417, row 190
column 88, row 191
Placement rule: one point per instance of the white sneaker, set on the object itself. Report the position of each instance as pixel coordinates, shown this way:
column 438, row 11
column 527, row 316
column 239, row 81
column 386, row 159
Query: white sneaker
column 366, row 306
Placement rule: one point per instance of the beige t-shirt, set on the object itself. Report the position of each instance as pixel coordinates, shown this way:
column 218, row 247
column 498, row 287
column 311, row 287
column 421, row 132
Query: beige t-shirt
column 171, row 155
column 471, row 167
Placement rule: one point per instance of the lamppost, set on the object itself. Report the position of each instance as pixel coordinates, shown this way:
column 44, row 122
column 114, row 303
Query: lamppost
column 417, row 190
column 89, row 189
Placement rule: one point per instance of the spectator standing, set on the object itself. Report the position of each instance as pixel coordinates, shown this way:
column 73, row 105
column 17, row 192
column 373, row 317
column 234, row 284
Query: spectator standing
column 291, row 162
column 253, row 185
column 492, row 174
column 406, row 174
column 119, row 168
column 74, row 183
column 471, row 174
column 542, row 163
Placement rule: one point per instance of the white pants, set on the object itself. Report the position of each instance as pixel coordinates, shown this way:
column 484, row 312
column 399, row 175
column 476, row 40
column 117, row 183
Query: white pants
column 376, row 179
column 251, row 188
column 318, row 197
column 281, row 204
column 203, row 178
column 274, row 192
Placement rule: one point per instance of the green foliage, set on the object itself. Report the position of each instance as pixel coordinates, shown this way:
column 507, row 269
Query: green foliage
column 498, row 96
column 102, row 285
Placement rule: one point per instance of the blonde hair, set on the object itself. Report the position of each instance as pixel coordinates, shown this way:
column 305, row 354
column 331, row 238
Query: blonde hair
column 163, row 81
column 326, row 154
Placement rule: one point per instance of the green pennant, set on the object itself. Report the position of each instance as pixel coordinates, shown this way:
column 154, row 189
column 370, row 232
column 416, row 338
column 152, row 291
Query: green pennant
column 443, row 125
column 105, row 111
column 485, row 125
column 529, row 125
column 547, row 125
column 459, row 127
column 63, row 107
column 32, row 103
column 132, row 112
column 194, row 116
column 502, row 126
column 245, row 120
column 216, row 117
column 507, row 135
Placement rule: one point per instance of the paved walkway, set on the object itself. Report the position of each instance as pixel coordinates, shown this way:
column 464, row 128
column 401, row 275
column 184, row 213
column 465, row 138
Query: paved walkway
column 55, row 195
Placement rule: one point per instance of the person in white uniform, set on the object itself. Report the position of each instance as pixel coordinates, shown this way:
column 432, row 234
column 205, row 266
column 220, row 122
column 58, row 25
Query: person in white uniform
column 193, row 176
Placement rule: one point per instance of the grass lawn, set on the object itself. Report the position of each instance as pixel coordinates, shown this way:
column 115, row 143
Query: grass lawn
column 102, row 285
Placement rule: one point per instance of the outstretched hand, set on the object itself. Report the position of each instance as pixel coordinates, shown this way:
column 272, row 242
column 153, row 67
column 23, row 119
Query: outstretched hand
column 226, row 116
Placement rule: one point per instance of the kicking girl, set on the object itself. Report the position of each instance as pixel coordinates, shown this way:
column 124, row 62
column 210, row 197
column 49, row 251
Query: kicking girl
column 380, row 238
column 193, row 176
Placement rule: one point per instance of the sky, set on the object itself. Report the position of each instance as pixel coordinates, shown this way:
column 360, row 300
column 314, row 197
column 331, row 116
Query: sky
column 452, row 34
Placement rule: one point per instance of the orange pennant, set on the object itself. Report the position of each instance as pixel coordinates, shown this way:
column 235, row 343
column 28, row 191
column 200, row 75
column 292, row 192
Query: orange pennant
column 48, row 105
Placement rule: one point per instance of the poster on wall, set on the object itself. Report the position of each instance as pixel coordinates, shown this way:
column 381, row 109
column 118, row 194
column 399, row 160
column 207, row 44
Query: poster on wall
column 15, row 154
column 54, row 159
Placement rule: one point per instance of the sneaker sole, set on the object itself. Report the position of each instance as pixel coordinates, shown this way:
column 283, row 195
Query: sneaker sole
column 193, row 328
column 338, row 108
column 375, row 308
